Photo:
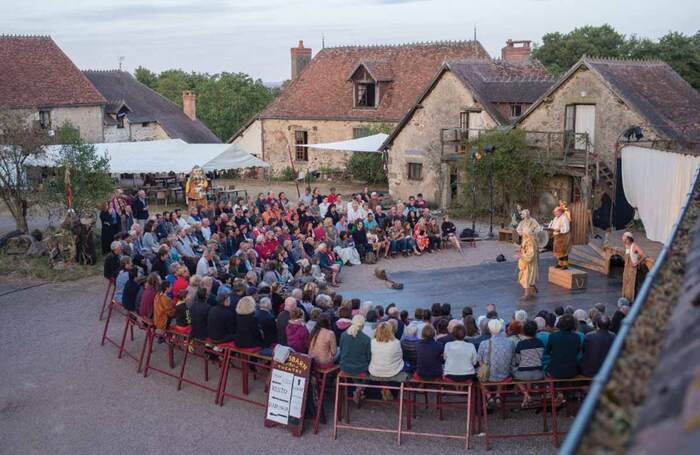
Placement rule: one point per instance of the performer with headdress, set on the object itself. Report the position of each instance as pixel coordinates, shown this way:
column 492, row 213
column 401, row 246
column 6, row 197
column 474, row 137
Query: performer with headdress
column 196, row 188
column 561, row 228
column 528, row 263
column 527, row 223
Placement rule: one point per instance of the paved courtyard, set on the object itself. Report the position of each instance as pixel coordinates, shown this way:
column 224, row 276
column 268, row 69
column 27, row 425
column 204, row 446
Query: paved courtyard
column 64, row 393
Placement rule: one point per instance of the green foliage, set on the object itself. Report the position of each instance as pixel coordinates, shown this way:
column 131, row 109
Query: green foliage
column 288, row 174
column 225, row 101
column 369, row 167
column 517, row 172
column 89, row 174
column 558, row 52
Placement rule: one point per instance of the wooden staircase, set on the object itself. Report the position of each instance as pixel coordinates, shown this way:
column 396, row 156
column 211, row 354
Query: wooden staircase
column 590, row 256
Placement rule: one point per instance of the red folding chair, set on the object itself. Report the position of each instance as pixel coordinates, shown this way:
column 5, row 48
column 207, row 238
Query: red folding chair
column 247, row 358
column 109, row 295
column 175, row 340
column 322, row 373
column 203, row 349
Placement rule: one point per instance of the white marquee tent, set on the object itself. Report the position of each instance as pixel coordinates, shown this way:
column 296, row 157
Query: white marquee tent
column 362, row 144
column 170, row 155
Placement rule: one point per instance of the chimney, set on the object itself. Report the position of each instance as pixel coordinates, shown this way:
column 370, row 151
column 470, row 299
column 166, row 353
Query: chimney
column 301, row 57
column 516, row 51
column 189, row 104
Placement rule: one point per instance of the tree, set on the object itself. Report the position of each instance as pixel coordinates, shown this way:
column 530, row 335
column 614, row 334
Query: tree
column 146, row 77
column 369, row 167
column 558, row 52
column 21, row 141
column 90, row 180
column 225, row 101
column 517, row 172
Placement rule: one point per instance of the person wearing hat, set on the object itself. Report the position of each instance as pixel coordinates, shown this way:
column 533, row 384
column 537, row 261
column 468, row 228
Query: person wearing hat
column 561, row 228
column 635, row 268
column 528, row 263
column 527, row 222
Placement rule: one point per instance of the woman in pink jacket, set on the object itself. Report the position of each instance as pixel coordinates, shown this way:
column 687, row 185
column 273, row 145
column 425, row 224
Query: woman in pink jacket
column 322, row 346
column 297, row 334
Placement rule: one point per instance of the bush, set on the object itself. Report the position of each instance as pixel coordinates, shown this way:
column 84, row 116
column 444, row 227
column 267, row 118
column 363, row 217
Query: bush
column 288, row 174
column 367, row 167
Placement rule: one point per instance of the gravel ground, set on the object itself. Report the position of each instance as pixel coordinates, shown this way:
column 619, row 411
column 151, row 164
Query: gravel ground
column 64, row 393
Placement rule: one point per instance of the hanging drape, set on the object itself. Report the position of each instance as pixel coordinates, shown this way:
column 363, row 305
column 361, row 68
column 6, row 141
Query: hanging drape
column 656, row 183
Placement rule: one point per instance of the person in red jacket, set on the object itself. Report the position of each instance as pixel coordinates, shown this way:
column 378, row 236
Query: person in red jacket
column 181, row 281
column 297, row 334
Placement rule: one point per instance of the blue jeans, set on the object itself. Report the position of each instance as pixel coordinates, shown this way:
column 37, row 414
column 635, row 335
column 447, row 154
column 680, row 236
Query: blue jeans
column 410, row 243
column 398, row 246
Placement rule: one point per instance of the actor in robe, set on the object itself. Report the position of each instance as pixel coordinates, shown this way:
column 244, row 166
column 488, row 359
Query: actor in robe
column 528, row 264
column 528, row 223
column 196, row 188
column 561, row 229
column 635, row 267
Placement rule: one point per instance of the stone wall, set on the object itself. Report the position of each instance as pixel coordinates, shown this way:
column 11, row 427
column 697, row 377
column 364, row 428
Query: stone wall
column 88, row 120
column 151, row 131
column 250, row 140
column 278, row 134
column 419, row 142
column 114, row 134
column 612, row 116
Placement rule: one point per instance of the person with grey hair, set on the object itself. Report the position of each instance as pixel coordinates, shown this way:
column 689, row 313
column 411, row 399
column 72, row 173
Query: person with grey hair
column 623, row 307
column 600, row 306
column 324, row 302
column 140, row 208
column 528, row 223
column 266, row 322
column 520, row 316
column 497, row 352
column 581, row 321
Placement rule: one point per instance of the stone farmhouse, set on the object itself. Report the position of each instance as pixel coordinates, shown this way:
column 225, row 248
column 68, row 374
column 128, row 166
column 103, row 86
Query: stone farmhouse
column 339, row 93
column 464, row 98
column 586, row 116
column 38, row 80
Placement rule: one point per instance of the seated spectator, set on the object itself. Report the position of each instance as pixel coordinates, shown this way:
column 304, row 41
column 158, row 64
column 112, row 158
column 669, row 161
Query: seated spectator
column 514, row 331
column 163, row 308
column 460, row 357
column 322, row 345
column 248, row 334
column 199, row 312
column 582, row 325
column 297, row 335
column 132, row 289
column 527, row 359
column 623, row 307
column 563, row 348
column 314, row 314
column 596, row 345
column 183, row 317
column 355, row 349
column 221, row 320
column 148, row 296
column 429, row 355
column 497, row 352
column 283, row 317
column 266, row 322
column 370, row 325
column 112, row 261
column 386, row 362
column 409, row 345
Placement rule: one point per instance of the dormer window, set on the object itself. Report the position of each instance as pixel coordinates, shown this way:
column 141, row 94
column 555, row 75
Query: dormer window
column 120, row 119
column 370, row 79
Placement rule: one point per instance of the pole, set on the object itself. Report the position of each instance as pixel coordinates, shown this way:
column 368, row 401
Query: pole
column 473, row 196
column 491, row 236
column 291, row 163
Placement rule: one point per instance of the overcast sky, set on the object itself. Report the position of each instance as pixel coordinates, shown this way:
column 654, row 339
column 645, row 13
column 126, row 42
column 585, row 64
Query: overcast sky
column 254, row 36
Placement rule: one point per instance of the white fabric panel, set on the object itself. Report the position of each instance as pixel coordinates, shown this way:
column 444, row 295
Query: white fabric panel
column 361, row 144
column 476, row 124
column 170, row 155
column 585, row 123
column 656, row 183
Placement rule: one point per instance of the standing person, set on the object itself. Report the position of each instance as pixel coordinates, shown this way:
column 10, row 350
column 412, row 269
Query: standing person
column 527, row 223
column 561, row 227
column 596, row 345
column 140, row 208
column 528, row 264
column 635, row 268
column 109, row 220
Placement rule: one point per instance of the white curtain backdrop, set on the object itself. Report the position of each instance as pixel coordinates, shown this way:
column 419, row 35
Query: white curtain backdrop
column 362, row 144
column 656, row 183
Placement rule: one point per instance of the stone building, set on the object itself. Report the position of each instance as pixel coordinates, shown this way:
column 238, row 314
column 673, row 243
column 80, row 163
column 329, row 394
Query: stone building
column 464, row 98
column 585, row 116
column 38, row 80
column 134, row 112
column 339, row 93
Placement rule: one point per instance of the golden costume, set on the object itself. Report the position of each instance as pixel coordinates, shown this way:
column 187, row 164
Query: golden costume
column 528, row 263
column 196, row 188
column 561, row 228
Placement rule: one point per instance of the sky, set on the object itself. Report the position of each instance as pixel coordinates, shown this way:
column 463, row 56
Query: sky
column 254, row 36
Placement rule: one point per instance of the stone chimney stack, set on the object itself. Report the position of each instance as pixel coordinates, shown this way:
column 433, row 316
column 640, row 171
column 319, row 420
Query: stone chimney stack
column 301, row 57
column 516, row 51
column 189, row 104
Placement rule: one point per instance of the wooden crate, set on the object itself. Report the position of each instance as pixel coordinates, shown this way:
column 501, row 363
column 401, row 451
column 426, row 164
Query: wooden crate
column 569, row 278
column 505, row 235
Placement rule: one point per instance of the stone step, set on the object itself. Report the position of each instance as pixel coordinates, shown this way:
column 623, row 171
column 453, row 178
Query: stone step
column 588, row 253
column 582, row 263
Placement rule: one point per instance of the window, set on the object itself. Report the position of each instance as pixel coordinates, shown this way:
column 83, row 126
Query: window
column 365, row 94
column 120, row 119
column 415, row 171
column 516, row 110
column 45, row 119
column 579, row 120
column 144, row 124
column 464, row 121
column 302, row 153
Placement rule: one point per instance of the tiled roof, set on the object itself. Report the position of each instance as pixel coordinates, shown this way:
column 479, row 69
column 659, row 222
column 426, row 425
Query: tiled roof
column 323, row 90
column 146, row 105
column 380, row 70
column 490, row 82
column 35, row 73
column 655, row 91
column 502, row 82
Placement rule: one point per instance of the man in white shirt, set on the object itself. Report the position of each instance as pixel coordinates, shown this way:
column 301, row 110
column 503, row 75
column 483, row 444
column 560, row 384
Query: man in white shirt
column 355, row 212
column 206, row 230
column 561, row 228
column 206, row 266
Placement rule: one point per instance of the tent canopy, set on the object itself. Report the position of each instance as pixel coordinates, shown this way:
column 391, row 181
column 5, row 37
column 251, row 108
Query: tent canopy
column 170, row 155
column 361, row 144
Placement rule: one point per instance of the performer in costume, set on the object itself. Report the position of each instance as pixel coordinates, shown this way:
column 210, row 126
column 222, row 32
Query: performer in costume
column 196, row 188
column 561, row 227
column 635, row 267
column 528, row 223
column 566, row 210
column 528, row 264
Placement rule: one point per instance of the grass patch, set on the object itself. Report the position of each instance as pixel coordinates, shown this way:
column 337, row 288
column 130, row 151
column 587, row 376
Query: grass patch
column 40, row 269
